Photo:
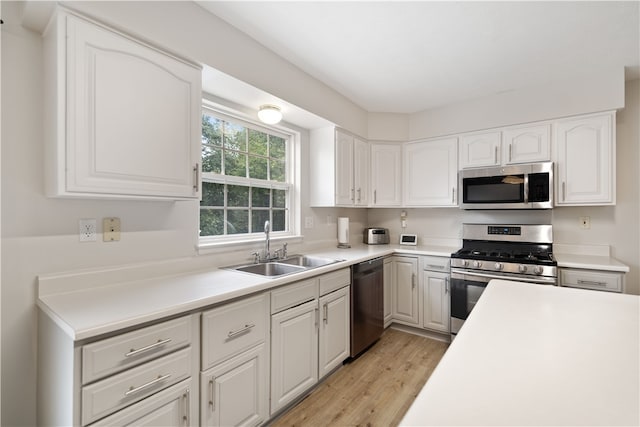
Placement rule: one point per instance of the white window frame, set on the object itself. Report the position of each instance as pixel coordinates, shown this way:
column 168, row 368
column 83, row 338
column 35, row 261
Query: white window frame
column 292, row 173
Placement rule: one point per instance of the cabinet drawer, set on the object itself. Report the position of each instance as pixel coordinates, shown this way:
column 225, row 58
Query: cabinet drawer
column 113, row 355
column 435, row 263
column 116, row 392
column 294, row 294
column 233, row 328
column 331, row 281
column 589, row 279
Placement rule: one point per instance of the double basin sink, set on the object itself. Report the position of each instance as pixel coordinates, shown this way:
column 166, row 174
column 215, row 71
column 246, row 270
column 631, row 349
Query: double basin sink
column 281, row 267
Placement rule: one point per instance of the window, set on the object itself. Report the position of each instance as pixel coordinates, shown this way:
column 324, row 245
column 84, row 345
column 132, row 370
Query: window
column 246, row 178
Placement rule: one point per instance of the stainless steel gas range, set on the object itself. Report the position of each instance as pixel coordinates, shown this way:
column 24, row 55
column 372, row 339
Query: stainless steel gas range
column 522, row 253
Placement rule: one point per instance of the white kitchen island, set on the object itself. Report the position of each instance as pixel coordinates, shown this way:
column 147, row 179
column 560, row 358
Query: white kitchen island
column 538, row 355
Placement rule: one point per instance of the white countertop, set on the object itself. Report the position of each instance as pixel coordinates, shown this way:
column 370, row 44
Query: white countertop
column 85, row 308
column 590, row 262
column 538, row 355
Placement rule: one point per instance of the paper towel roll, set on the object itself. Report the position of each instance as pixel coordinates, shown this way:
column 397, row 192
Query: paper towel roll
column 343, row 232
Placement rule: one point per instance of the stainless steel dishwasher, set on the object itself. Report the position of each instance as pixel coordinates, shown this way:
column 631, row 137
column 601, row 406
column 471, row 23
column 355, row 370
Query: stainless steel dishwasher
column 367, row 305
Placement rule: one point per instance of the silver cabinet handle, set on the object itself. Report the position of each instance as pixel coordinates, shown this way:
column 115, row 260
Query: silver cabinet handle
column 317, row 313
column 591, row 282
column 495, row 155
column 325, row 314
column 159, row 343
column 353, row 197
column 413, row 280
column 359, row 194
column 563, row 190
column 153, row 382
column 187, row 406
column 233, row 334
column 509, row 152
column 375, row 196
column 196, row 172
column 446, row 285
column 211, row 401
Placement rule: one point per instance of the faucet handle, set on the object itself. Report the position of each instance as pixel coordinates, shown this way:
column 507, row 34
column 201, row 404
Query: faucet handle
column 256, row 257
column 284, row 250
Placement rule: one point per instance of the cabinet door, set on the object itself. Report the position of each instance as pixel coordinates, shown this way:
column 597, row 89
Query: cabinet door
column 585, row 160
column 386, row 175
column 525, row 144
column 133, row 133
column 334, row 339
column 387, row 289
column 431, row 173
column 405, row 289
column 345, row 191
column 236, row 391
column 436, row 301
column 174, row 406
column 294, row 353
column 480, row 149
column 361, row 171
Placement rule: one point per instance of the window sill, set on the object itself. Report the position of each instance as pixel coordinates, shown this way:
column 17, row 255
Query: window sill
column 213, row 247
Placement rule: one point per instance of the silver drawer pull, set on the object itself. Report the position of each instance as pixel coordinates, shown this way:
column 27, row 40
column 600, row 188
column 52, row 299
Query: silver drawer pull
column 233, row 334
column 440, row 267
column 133, row 352
column 155, row 381
column 591, row 282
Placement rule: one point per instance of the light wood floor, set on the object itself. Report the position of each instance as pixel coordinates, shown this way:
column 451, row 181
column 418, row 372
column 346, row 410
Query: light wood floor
column 374, row 390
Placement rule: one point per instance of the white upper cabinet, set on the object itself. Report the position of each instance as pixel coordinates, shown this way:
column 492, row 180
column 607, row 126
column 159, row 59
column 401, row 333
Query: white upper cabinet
column 340, row 169
column 585, row 160
column 123, row 118
column 518, row 144
column 480, row 149
column 431, row 173
column 526, row 144
column 386, row 174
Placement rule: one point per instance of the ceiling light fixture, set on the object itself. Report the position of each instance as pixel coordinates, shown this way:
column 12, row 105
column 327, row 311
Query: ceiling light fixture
column 269, row 114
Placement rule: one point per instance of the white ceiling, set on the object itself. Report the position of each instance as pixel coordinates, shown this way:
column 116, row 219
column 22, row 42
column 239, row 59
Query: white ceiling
column 405, row 57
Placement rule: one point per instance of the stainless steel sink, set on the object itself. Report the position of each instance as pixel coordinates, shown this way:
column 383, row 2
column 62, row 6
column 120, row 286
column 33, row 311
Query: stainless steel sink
column 281, row 267
column 308, row 261
column 270, row 269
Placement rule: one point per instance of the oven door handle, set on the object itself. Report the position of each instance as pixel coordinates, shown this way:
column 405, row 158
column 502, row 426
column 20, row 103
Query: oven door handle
column 544, row 281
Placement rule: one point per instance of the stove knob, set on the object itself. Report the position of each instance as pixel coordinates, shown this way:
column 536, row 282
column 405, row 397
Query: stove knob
column 477, row 264
column 537, row 269
column 465, row 262
column 499, row 266
column 522, row 268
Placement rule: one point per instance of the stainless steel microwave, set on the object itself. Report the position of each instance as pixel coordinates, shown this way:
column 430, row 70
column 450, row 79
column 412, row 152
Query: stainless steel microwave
column 524, row 186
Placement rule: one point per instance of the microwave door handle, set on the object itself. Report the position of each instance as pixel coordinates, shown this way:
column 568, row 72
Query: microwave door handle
column 526, row 188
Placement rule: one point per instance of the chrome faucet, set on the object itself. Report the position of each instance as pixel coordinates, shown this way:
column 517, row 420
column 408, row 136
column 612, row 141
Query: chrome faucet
column 267, row 254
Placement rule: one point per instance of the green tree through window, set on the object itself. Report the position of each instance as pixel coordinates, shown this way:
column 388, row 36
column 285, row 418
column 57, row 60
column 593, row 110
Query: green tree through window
column 244, row 177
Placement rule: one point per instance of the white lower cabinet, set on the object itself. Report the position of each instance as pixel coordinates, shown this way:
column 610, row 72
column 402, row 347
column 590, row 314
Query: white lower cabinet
column 235, row 392
column 435, row 299
column 294, row 343
column 310, row 334
column 234, row 382
column 333, row 341
column 170, row 407
column 597, row 280
column 405, row 290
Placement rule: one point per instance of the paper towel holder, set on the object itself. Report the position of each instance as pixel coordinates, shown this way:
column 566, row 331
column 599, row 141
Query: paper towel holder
column 343, row 233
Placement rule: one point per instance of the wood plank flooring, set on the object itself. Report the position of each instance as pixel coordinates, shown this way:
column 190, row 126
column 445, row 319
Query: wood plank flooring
column 374, row 390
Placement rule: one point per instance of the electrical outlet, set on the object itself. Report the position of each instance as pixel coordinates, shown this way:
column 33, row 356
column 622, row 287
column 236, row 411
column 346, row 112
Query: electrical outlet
column 308, row 222
column 585, row 222
column 87, row 229
column 111, row 229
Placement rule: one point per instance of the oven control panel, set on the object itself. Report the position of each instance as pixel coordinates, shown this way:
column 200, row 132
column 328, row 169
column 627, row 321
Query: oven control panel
column 504, row 230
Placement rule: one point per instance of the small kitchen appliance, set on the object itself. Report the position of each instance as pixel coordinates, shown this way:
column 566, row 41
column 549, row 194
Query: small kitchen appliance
column 524, row 186
column 522, row 253
column 376, row 236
